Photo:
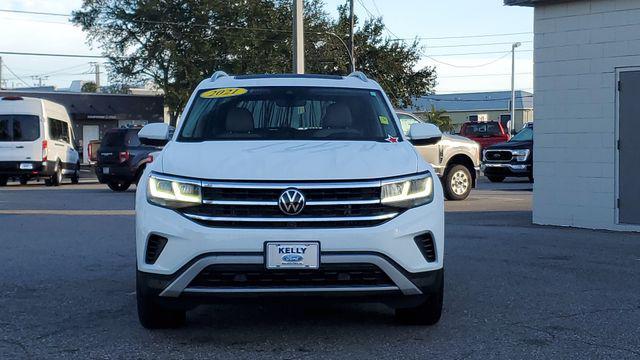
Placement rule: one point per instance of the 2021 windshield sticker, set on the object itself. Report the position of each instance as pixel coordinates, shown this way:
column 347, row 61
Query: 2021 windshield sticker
column 222, row 93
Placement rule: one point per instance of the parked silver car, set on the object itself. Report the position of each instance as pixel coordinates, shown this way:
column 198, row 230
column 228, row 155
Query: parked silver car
column 456, row 159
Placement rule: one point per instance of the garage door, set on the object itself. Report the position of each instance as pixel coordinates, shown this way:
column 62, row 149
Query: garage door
column 629, row 148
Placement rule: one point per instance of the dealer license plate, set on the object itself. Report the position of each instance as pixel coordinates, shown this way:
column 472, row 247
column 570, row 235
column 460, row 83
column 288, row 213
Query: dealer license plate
column 288, row 255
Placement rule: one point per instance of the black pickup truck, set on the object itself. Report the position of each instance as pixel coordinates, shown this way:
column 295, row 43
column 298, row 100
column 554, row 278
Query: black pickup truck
column 513, row 158
column 121, row 158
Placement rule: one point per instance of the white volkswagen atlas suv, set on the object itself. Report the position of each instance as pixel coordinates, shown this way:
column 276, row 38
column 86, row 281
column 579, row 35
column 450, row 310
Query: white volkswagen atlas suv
column 296, row 187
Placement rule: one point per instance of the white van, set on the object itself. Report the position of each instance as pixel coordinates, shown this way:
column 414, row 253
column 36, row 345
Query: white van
column 36, row 141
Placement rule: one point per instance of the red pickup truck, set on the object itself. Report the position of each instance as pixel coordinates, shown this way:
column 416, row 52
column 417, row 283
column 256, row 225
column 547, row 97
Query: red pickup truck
column 485, row 133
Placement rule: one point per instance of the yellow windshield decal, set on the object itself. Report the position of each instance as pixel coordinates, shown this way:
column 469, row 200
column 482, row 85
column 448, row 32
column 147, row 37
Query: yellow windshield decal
column 222, row 93
column 384, row 120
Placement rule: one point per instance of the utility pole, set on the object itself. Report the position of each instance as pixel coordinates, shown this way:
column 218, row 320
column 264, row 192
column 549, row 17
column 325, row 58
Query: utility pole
column 39, row 79
column 96, row 66
column 512, row 121
column 0, row 72
column 351, row 42
column 298, row 37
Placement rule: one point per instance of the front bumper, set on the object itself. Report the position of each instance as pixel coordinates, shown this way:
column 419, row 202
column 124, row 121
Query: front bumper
column 190, row 247
column 27, row 168
column 507, row 169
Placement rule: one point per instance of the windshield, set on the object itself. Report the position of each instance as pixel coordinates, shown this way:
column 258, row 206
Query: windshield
column 482, row 129
column 525, row 134
column 289, row 113
column 19, row 127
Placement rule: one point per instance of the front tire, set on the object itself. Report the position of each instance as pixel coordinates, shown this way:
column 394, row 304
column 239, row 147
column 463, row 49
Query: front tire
column 153, row 316
column 495, row 178
column 427, row 313
column 4, row 180
column 458, row 183
column 119, row 186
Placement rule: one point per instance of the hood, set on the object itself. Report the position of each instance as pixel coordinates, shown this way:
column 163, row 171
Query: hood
column 512, row 145
column 458, row 138
column 289, row 160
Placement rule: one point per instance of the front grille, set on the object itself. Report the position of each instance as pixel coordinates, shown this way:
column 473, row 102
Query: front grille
column 255, row 205
column 256, row 276
column 498, row 155
column 266, row 194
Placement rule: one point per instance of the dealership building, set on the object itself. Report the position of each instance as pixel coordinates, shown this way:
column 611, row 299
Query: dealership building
column 93, row 114
column 587, row 103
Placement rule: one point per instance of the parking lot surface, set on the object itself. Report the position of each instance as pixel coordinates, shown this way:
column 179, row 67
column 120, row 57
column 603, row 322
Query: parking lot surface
column 513, row 290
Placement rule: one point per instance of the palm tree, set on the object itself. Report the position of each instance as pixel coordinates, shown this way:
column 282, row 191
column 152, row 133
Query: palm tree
column 439, row 119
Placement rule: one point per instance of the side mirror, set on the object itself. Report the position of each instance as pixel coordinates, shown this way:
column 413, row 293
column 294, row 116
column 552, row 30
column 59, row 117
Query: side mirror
column 155, row 134
column 424, row 134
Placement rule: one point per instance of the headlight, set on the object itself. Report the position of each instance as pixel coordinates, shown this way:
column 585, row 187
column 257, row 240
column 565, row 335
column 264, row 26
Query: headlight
column 172, row 192
column 408, row 193
column 521, row 155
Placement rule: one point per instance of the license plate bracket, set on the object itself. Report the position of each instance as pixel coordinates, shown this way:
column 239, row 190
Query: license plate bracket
column 292, row 255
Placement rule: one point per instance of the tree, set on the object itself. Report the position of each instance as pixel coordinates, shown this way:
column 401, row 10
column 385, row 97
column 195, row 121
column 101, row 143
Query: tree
column 89, row 87
column 439, row 119
column 177, row 43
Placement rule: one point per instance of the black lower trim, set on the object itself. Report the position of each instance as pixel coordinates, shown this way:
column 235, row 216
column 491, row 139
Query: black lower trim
column 429, row 282
column 39, row 168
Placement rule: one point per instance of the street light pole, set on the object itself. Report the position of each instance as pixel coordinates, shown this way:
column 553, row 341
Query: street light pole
column 352, row 55
column 513, row 88
column 298, row 37
column 346, row 47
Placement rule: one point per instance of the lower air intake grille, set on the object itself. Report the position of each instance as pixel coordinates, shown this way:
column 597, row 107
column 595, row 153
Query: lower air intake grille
column 427, row 246
column 155, row 245
column 256, row 276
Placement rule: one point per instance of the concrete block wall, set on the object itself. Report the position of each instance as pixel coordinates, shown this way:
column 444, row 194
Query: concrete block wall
column 578, row 47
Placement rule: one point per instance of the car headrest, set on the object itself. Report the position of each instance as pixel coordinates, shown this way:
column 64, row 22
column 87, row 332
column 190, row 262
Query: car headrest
column 338, row 115
column 239, row 120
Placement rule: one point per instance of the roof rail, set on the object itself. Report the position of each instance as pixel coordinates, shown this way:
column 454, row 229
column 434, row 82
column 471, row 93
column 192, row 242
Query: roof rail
column 217, row 75
column 360, row 75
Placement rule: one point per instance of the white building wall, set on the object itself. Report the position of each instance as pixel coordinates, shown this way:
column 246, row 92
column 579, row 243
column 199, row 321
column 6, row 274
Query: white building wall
column 578, row 47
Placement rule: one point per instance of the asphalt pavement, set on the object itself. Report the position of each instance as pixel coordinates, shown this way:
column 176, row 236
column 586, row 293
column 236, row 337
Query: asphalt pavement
column 513, row 290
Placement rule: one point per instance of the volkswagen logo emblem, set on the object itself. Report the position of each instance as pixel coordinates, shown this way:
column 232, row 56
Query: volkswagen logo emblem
column 291, row 202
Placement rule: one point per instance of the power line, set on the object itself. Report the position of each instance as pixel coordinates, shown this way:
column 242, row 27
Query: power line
column 53, row 55
column 480, row 53
column 463, row 36
column 33, row 12
column 478, row 100
column 481, row 75
column 473, row 45
column 467, row 66
column 16, row 76
column 208, row 26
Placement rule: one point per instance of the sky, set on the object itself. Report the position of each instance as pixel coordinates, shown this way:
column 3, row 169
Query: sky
column 456, row 37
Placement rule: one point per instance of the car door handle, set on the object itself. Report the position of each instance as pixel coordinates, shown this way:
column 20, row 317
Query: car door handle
column 19, row 147
column 59, row 144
